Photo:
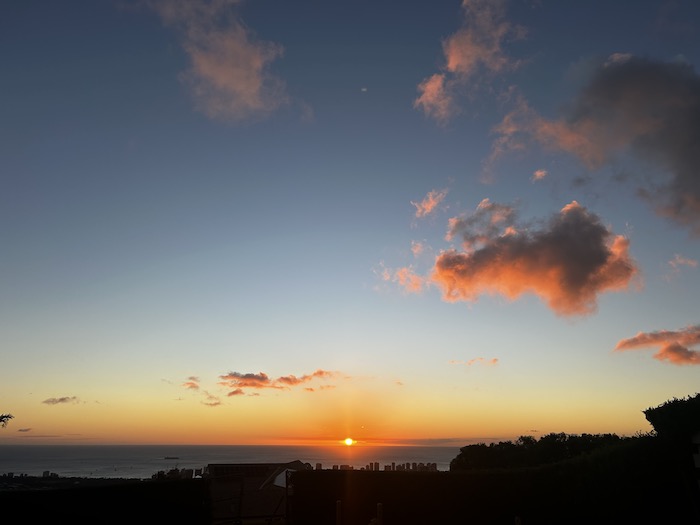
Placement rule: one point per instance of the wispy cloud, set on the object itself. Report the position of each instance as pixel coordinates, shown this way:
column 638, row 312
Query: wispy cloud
column 429, row 203
column 417, row 248
column 192, row 383
column 406, row 278
column 237, row 382
column 567, row 262
column 646, row 107
column 477, row 47
column 477, row 360
column 211, row 400
column 61, row 400
column 229, row 72
column 672, row 345
column 677, row 263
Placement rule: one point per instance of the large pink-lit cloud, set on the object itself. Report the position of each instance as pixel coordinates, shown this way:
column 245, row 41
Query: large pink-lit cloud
column 229, row 72
column 672, row 345
column 637, row 105
column 237, row 382
column 568, row 262
column 476, row 47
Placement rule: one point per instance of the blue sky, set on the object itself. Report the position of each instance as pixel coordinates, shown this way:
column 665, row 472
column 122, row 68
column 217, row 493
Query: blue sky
column 221, row 211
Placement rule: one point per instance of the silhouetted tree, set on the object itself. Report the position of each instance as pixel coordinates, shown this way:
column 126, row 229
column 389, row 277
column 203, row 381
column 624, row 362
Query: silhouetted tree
column 526, row 451
column 676, row 418
column 4, row 418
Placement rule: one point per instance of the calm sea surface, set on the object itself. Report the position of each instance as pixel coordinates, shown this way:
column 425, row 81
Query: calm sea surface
column 142, row 461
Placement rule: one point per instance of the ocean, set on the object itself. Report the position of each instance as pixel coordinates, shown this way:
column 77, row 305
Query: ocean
column 143, row 461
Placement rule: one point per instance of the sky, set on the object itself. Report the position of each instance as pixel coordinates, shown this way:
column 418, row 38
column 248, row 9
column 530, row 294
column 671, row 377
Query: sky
column 293, row 222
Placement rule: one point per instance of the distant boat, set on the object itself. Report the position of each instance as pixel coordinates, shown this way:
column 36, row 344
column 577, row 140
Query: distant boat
column 172, row 457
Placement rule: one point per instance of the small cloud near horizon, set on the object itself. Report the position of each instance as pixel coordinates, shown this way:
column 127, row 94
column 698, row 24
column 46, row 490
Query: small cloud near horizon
column 236, row 382
column 211, row 400
column 477, row 360
column 61, row 400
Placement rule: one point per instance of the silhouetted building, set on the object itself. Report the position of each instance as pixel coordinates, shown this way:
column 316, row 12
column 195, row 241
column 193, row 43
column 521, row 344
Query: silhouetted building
column 249, row 492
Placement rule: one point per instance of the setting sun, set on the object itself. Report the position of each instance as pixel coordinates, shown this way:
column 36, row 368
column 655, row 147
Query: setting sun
column 348, row 441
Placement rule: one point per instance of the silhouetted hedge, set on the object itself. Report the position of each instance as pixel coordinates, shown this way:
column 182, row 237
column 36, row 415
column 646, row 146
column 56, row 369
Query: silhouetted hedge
column 527, row 451
column 634, row 481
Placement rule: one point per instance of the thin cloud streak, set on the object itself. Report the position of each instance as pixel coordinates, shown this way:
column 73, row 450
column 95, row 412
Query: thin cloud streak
column 477, row 360
column 677, row 263
column 236, row 382
column 60, row 400
column 672, row 345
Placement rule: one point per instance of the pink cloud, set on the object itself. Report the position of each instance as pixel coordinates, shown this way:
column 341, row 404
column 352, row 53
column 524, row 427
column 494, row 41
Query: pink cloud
column 676, row 263
column 645, row 107
column 249, row 380
column 417, row 248
column 539, row 175
column 435, row 98
column 429, row 203
column 236, row 392
column 477, row 360
column 679, row 260
column 237, row 381
column 192, row 383
column 478, row 44
column 292, row 380
column 229, row 67
column 476, row 47
column 672, row 345
column 409, row 280
column 567, row 263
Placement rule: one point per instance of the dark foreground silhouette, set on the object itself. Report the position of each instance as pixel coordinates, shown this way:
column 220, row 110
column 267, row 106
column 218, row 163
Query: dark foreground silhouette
column 647, row 479
column 638, row 481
